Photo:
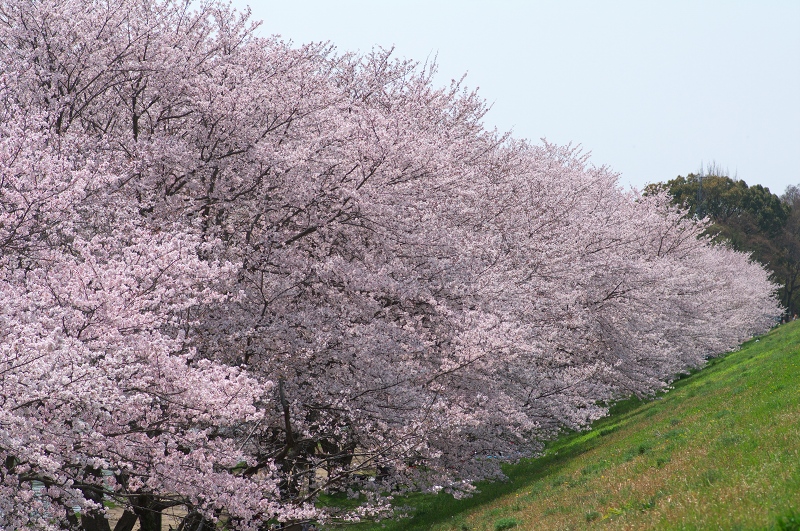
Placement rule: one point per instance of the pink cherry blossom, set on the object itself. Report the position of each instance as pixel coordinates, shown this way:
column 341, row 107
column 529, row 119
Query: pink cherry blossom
column 236, row 274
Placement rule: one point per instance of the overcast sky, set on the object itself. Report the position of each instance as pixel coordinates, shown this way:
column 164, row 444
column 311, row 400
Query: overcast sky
column 653, row 89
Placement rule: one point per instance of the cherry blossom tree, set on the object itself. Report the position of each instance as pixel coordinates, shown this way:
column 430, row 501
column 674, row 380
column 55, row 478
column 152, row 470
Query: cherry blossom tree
column 238, row 274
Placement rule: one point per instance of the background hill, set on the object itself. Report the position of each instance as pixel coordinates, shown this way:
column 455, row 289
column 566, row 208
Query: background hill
column 720, row 451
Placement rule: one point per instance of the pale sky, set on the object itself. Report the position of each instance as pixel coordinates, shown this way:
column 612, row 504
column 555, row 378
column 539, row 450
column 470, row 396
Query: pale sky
column 653, row 89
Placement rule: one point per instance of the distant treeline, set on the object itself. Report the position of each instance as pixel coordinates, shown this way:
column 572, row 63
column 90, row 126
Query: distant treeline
column 751, row 219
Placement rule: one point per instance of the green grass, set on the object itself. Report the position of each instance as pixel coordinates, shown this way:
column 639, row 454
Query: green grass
column 720, row 451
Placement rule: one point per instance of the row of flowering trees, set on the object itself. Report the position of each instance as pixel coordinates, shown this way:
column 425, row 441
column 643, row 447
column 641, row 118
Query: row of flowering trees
column 236, row 274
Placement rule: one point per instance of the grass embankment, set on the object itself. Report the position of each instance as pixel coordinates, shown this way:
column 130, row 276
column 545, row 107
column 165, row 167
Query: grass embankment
column 720, row 451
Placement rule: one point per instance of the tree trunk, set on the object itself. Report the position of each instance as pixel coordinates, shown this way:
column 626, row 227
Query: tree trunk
column 126, row 522
column 149, row 513
column 195, row 522
column 94, row 520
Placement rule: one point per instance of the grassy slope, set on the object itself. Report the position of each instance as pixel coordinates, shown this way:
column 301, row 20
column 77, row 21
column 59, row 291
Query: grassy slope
column 720, row 451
